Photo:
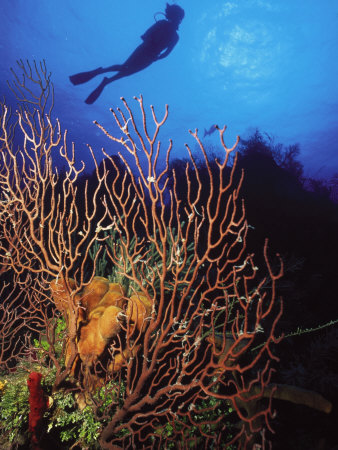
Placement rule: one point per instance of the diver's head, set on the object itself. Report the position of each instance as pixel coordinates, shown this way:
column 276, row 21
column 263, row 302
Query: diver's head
column 174, row 13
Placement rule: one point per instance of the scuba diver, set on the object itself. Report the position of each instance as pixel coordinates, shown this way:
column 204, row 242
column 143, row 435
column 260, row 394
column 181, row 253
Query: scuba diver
column 158, row 41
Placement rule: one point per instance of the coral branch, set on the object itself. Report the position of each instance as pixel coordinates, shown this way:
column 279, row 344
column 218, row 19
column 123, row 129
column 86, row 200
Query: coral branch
column 173, row 342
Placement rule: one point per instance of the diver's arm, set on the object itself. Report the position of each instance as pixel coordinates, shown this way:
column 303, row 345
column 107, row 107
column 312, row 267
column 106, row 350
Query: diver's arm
column 169, row 48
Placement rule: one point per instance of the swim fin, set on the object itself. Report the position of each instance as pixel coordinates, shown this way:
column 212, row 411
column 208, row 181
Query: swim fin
column 83, row 77
column 97, row 92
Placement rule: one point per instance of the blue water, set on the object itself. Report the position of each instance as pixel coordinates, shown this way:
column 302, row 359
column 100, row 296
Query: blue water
column 246, row 64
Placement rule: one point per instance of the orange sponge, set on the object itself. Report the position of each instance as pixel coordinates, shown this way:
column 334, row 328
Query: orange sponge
column 139, row 307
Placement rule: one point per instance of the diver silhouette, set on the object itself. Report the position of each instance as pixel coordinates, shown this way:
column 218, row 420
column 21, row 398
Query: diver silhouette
column 158, row 41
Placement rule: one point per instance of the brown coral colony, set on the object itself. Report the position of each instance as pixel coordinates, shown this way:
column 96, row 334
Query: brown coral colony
column 103, row 311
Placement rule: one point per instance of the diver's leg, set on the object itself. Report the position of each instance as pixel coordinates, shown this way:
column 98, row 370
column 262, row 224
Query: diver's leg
column 119, row 75
column 137, row 61
column 114, row 68
column 98, row 91
column 128, row 69
column 141, row 58
column 125, row 72
column 83, row 77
